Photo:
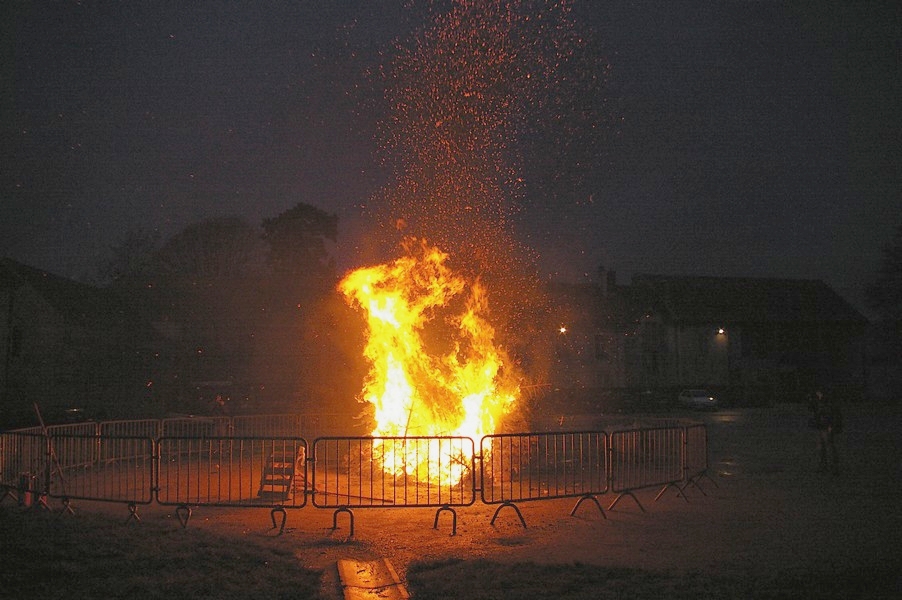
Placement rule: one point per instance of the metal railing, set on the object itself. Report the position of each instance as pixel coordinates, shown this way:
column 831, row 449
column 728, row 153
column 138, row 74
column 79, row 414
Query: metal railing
column 695, row 457
column 151, row 428
column 125, row 474
column 82, row 447
column 196, row 427
column 185, row 462
column 308, row 426
column 541, row 466
column 23, row 464
column 642, row 458
column 367, row 472
column 234, row 472
column 228, row 471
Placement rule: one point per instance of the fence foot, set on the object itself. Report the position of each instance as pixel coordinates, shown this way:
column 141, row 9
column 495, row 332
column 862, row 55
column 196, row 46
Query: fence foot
column 694, row 483
column 132, row 513
column 696, row 478
column 678, row 488
column 453, row 518
column 631, row 495
column 343, row 509
column 183, row 512
column 272, row 515
column 8, row 492
column 594, row 499
column 41, row 503
column 512, row 505
column 67, row 507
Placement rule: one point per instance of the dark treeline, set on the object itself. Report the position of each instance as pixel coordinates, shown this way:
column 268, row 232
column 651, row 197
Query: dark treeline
column 247, row 313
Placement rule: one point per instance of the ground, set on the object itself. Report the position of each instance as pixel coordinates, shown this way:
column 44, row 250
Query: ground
column 764, row 509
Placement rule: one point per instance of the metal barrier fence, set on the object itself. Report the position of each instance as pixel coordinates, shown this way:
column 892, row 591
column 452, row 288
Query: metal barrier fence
column 695, row 456
column 228, row 471
column 151, row 428
column 367, row 472
column 541, row 466
column 143, row 428
column 642, row 458
column 196, row 427
column 307, row 426
column 125, row 475
column 23, row 465
column 267, row 425
column 194, row 467
column 82, row 447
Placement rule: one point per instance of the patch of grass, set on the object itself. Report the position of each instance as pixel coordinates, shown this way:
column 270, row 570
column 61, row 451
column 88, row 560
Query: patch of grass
column 88, row 556
column 43, row 555
column 488, row 580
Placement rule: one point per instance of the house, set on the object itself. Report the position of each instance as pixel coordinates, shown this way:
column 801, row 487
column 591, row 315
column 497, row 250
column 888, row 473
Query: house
column 752, row 340
column 64, row 346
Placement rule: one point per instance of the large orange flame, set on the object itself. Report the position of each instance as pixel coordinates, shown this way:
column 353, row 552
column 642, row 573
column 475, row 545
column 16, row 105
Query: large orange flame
column 434, row 367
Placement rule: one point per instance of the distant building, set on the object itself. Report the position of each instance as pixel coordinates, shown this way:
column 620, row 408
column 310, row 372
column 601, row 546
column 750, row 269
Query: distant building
column 750, row 340
column 64, row 345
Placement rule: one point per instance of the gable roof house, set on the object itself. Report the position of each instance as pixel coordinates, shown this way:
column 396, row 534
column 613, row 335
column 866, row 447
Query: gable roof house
column 760, row 339
column 751, row 340
column 63, row 345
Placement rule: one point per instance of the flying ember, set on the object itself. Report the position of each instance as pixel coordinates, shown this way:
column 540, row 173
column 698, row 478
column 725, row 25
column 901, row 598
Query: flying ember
column 434, row 367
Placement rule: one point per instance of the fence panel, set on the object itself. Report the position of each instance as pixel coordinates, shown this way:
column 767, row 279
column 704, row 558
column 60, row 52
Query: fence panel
column 232, row 471
column 125, row 475
column 151, row 428
column 83, row 449
column 195, row 427
column 696, row 456
column 317, row 425
column 369, row 472
column 23, row 455
column 643, row 458
column 83, row 429
column 208, row 461
column 143, row 428
column 306, row 425
column 287, row 425
column 538, row 466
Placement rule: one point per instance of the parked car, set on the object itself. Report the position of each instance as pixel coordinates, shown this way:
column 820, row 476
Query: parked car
column 697, row 399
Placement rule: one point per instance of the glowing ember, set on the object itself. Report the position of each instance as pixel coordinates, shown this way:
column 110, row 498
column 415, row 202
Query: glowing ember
column 468, row 96
column 435, row 370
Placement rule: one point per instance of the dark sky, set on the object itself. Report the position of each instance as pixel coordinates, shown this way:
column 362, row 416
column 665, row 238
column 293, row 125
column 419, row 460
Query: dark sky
column 756, row 138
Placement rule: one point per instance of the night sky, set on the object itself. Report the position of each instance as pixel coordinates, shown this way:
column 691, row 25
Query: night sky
column 757, row 139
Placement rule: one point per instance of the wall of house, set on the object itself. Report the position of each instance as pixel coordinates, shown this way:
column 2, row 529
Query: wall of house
column 33, row 368
column 8, row 345
column 55, row 363
column 702, row 355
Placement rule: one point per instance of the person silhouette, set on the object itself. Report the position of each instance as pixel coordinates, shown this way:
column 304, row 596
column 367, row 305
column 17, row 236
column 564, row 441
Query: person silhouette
column 826, row 418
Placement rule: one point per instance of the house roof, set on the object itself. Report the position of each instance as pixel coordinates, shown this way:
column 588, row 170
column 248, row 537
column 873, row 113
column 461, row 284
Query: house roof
column 77, row 303
column 729, row 300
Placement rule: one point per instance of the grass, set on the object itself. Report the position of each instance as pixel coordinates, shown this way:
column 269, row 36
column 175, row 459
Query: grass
column 488, row 580
column 43, row 555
